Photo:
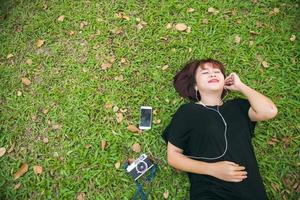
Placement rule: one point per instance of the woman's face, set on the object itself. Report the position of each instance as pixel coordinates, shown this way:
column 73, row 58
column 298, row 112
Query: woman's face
column 209, row 79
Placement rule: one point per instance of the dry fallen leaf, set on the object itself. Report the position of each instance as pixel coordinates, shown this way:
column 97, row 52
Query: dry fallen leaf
column 119, row 78
column 133, row 128
column 22, row 170
column 265, row 64
column 115, row 108
column 237, row 39
column 122, row 15
column 40, row 43
column 56, row 126
column 166, row 194
column 83, row 24
column 29, row 61
column 46, row 140
column 205, row 21
column 26, row 81
column 37, row 169
column 61, row 18
column 81, row 196
column 165, row 67
column 119, row 117
column 136, row 148
column 251, row 43
column 103, row 144
column 11, row 148
column 19, row 93
column 180, row 27
column 123, row 60
column 259, row 58
column 276, row 10
column 293, row 38
column 108, row 105
column 212, row 10
column 189, row 10
column 158, row 121
column 117, row 165
column 17, row 186
column 169, row 25
column 71, row 32
column 10, row 56
column 105, row 66
column 2, row 151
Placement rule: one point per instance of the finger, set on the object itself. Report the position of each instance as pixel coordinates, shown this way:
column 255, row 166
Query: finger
column 239, row 168
column 232, row 163
column 241, row 173
column 236, row 180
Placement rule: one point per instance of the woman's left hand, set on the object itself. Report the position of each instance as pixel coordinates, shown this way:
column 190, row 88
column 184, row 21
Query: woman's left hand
column 233, row 82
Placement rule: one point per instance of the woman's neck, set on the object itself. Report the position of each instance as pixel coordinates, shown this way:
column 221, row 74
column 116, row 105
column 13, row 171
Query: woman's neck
column 211, row 100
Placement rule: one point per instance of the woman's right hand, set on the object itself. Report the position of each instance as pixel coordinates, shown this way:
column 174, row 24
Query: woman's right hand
column 228, row 171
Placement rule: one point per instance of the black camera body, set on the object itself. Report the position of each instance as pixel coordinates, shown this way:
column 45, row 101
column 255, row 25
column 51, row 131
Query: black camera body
column 139, row 167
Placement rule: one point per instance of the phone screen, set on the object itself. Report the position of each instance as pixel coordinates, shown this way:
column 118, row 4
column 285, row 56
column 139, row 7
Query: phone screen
column 145, row 117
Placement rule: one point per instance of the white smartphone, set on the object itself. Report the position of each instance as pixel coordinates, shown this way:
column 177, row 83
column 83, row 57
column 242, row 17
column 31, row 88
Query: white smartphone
column 145, row 117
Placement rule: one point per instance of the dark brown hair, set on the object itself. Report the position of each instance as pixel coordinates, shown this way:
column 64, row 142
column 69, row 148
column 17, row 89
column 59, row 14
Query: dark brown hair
column 184, row 81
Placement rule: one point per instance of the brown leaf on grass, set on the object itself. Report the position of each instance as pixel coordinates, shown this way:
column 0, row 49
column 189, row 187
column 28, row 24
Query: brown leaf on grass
column 253, row 33
column 2, row 151
column 157, row 121
column 119, row 117
column 25, row 81
column 205, row 21
column 45, row 140
column 81, row 196
column 165, row 67
column 237, row 39
column 11, row 148
column 105, row 66
column 136, row 147
column 275, row 186
column 212, row 10
column 293, row 38
column 190, row 10
column 251, row 43
column 10, row 56
column 83, row 24
column 56, row 126
column 103, row 145
column 115, row 108
column 61, row 18
column 19, row 93
column 87, row 146
column 119, row 78
column 180, row 27
column 37, row 169
column 133, row 128
column 169, row 25
column 259, row 58
column 273, row 141
column 123, row 60
column 108, row 105
column 117, row 165
column 22, row 170
column 286, row 141
column 39, row 43
column 29, row 61
column 71, row 32
column 117, row 31
column 17, row 186
column 265, row 64
column 166, row 194
column 122, row 15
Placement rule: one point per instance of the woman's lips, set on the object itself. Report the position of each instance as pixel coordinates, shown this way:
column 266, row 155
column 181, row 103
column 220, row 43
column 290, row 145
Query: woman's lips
column 213, row 81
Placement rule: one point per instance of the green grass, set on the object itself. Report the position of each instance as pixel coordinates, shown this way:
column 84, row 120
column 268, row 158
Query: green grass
column 67, row 79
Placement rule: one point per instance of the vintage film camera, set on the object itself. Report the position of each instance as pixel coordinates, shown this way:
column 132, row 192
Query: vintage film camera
column 139, row 167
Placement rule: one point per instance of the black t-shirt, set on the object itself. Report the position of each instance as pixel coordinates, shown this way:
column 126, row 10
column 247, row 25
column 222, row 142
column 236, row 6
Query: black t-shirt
column 200, row 132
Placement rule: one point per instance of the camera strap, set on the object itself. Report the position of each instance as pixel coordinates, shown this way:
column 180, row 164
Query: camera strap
column 139, row 191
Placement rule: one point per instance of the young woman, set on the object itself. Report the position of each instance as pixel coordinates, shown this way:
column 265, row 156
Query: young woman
column 211, row 139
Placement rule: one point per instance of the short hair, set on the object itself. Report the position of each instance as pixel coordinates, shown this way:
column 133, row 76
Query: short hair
column 184, row 81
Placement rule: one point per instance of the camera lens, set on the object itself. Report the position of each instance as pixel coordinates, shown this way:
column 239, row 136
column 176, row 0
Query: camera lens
column 142, row 166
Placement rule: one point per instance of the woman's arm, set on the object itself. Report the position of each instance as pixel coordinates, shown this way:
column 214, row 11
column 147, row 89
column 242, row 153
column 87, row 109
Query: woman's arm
column 224, row 170
column 262, row 108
